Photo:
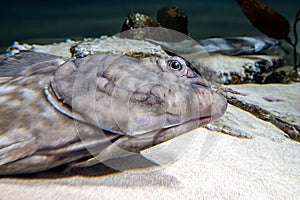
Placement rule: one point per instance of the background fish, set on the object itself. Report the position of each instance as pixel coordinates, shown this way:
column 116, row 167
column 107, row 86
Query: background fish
column 228, row 45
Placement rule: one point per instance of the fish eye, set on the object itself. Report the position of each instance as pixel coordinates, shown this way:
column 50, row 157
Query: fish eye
column 175, row 65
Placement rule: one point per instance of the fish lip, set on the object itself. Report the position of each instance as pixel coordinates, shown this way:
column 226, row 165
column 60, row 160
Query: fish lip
column 200, row 120
column 206, row 119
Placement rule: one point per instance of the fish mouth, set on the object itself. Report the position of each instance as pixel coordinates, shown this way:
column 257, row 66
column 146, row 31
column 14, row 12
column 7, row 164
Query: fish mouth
column 205, row 120
column 199, row 121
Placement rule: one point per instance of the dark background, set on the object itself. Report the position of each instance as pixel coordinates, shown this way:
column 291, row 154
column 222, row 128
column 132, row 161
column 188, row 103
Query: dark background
column 36, row 21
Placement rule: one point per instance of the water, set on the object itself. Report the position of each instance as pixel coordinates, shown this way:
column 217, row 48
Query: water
column 45, row 22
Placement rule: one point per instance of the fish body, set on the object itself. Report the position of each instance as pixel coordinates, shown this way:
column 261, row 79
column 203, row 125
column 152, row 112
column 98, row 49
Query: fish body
column 227, row 45
column 57, row 111
column 239, row 45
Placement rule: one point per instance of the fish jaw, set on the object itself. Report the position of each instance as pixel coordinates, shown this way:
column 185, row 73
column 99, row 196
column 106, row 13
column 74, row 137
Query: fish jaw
column 212, row 110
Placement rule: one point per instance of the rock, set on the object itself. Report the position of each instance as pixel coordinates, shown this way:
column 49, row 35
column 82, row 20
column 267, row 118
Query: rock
column 16, row 47
column 275, row 103
column 242, row 69
column 138, row 26
column 137, row 20
column 235, row 122
column 116, row 45
column 58, row 49
column 172, row 17
column 89, row 46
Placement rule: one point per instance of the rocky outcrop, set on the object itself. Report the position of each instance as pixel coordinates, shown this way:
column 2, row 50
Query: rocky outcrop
column 260, row 69
column 116, row 45
column 138, row 20
column 275, row 103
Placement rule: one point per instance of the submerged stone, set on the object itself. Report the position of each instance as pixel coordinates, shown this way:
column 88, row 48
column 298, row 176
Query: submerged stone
column 275, row 103
column 116, row 45
column 240, row 123
column 260, row 69
column 137, row 20
column 172, row 17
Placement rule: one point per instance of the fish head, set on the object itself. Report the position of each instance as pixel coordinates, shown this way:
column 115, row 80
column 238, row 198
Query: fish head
column 137, row 97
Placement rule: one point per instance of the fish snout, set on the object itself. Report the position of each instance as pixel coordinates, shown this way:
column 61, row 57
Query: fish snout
column 219, row 105
column 210, row 104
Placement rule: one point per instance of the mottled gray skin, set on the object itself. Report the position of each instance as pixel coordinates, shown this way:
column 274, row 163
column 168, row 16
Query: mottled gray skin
column 56, row 111
column 228, row 46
